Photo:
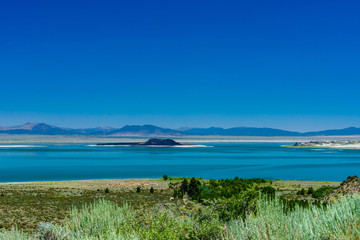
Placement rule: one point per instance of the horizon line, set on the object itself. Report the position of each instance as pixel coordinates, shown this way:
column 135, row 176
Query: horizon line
column 176, row 129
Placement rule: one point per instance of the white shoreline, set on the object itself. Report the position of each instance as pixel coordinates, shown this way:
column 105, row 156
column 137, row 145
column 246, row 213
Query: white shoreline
column 354, row 146
column 19, row 146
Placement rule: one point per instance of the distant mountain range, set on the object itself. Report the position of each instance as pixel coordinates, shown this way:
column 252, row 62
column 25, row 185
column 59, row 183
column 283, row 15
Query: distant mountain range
column 239, row 131
column 150, row 130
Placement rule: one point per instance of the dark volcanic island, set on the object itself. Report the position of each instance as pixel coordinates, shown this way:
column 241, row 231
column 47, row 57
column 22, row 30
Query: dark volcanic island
column 150, row 142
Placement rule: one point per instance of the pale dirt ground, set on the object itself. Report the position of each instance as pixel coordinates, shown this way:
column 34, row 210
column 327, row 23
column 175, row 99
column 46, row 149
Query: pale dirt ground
column 296, row 185
column 131, row 184
column 112, row 184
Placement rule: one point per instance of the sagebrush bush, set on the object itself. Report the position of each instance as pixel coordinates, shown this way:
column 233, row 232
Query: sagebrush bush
column 107, row 220
column 13, row 235
column 340, row 220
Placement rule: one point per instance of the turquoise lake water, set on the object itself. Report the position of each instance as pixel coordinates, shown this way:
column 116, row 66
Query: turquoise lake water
column 222, row 160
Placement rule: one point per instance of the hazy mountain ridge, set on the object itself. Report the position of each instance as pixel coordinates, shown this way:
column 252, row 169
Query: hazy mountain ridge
column 151, row 130
column 335, row 132
column 144, row 130
column 37, row 128
column 240, row 131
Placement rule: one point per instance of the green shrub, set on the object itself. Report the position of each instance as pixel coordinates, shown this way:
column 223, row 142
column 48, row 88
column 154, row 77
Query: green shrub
column 322, row 192
column 237, row 206
column 175, row 194
column 226, row 188
column 138, row 189
column 301, row 192
column 165, row 177
column 151, row 190
column 270, row 191
column 184, row 186
column 310, row 190
column 193, row 189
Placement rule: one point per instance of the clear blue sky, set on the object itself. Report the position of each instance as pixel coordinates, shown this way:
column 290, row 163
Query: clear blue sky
column 286, row 64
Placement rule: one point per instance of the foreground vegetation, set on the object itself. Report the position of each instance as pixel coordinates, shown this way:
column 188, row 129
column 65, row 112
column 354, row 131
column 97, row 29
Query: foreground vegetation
column 26, row 205
column 191, row 208
column 107, row 220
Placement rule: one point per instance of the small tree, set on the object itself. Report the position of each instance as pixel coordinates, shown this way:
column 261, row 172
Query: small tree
column 151, row 190
column 107, row 190
column 138, row 189
column 184, row 186
column 302, row 191
column 165, row 177
column 310, row 190
column 180, row 194
column 194, row 190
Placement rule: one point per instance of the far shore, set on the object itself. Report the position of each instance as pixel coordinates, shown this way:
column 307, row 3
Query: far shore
column 326, row 147
column 38, row 139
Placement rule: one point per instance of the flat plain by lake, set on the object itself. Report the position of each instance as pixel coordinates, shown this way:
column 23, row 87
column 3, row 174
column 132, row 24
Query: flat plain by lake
column 27, row 204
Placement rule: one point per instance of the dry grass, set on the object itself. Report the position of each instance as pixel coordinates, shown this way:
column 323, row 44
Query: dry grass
column 25, row 205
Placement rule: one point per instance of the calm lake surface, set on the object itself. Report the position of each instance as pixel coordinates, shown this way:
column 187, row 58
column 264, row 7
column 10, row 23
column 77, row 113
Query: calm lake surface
column 222, row 160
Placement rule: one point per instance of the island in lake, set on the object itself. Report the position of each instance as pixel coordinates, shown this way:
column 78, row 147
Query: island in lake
column 150, row 142
column 350, row 144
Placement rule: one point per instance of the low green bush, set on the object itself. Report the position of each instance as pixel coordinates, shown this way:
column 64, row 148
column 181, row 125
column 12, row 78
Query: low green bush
column 322, row 192
column 301, row 192
column 310, row 190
